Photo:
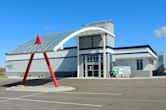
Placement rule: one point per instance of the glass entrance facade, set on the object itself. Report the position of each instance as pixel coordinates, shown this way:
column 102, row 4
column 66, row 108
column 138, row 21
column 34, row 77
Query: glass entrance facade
column 92, row 65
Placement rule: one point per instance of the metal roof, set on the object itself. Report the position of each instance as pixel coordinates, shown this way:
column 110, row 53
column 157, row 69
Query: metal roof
column 98, row 23
column 49, row 42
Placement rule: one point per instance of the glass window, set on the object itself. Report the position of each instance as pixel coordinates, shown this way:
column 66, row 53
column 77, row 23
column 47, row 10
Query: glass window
column 101, row 58
column 101, row 66
column 113, row 63
column 140, row 64
column 87, row 58
column 151, row 61
column 96, row 58
column 90, row 58
column 96, row 67
column 83, row 67
column 83, row 58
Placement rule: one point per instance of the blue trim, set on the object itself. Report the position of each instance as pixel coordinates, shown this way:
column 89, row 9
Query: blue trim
column 74, row 47
column 91, row 48
column 139, row 46
column 109, row 47
column 95, row 53
column 120, row 53
column 118, row 48
column 96, row 48
column 130, row 53
column 133, row 53
column 43, row 58
column 91, row 54
column 80, row 54
column 130, row 47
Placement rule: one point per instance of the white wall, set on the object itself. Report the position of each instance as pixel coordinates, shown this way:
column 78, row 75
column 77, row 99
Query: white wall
column 147, row 67
column 61, row 61
column 59, row 53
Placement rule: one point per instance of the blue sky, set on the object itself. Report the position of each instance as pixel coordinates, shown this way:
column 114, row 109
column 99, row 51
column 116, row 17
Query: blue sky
column 137, row 22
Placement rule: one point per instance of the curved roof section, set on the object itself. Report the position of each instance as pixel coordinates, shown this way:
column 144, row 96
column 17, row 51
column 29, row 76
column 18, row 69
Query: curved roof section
column 96, row 23
column 49, row 42
column 52, row 42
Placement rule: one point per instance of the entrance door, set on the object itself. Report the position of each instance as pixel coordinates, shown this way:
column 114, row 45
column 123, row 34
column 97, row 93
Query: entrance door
column 93, row 70
column 96, row 70
column 90, row 70
column 92, row 65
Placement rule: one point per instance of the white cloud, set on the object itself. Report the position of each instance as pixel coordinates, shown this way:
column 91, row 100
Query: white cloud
column 161, row 32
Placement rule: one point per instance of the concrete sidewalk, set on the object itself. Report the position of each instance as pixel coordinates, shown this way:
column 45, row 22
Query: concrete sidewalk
column 42, row 88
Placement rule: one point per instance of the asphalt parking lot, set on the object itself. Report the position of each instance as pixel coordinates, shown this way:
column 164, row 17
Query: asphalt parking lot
column 91, row 94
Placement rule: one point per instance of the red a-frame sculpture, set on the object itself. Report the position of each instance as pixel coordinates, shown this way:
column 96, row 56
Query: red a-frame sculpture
column 39, row 42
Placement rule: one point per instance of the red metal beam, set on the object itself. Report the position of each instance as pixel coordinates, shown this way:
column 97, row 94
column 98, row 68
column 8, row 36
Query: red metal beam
column 39, row 42
column 51, row 70
column 27, row 69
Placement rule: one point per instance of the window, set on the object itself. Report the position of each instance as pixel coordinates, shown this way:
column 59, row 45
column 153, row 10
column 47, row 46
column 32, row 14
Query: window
column 95, row 58
column 83, row 58
column 113, row 63
column 151, row 61
column 101, row 58
column 140, row 64
column 87, row 58
column 83, row 67
column 92, row 58
column 96, row 67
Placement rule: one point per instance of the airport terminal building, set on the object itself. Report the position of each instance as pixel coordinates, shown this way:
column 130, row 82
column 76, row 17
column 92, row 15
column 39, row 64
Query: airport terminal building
column 94, row 56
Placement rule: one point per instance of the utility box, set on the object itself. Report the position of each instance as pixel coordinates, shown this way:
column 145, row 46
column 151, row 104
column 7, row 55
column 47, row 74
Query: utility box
column 121, row 71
